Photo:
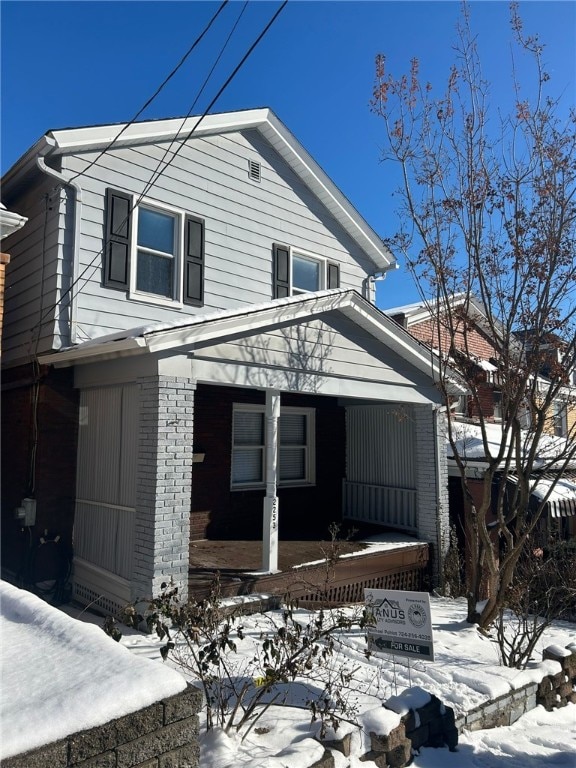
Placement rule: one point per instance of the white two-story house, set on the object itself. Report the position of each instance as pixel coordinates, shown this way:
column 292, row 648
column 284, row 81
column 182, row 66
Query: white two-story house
column 191, row 350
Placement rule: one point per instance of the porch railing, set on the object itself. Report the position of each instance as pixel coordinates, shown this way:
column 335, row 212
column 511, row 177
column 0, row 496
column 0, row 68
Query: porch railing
column 381, row 504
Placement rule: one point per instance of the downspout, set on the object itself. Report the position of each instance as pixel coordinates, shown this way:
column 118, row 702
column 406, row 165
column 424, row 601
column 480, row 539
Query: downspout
column 369, row 281
column 41, row 163
column 436, row 409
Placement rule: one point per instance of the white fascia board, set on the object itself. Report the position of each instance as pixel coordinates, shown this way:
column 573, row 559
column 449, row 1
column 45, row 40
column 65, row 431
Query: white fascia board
column 99, row 136
column 403, row 343
column 253, row 319
column 25, row 164
column 89, row 353
column 286, row 144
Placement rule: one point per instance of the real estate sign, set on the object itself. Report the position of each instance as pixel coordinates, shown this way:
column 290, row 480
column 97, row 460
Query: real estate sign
column 402, row 623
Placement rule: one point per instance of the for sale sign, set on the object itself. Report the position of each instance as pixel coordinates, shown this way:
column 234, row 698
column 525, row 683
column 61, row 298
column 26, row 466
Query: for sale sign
column 402, row 623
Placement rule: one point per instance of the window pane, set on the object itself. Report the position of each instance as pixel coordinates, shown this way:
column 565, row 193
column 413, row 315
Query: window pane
column 248, row 428
column 154, row 274
column 293, row 429
column 305, row 273
column 156, row 230
column 247, row 465
column 292, row 463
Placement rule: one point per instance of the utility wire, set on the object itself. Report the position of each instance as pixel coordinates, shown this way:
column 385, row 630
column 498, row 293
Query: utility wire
column 157, row 174
column 160, row 87
column 159, row 170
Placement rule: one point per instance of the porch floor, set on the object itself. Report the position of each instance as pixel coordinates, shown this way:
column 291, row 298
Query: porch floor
column 398, row 562
column 234, row 557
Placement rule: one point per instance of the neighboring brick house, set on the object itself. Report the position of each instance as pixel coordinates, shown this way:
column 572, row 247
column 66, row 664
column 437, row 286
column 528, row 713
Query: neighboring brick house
column 196, row 353
column 468, row 334
column 471, row 338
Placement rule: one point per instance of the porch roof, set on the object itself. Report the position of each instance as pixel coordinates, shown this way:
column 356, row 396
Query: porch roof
column 251, row 319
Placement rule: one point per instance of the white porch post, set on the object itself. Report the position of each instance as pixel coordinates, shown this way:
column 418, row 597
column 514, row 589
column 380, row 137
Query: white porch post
column 270, row 527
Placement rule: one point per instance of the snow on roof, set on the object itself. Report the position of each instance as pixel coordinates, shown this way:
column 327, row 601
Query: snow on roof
column 60, row 675
column 470, row 445
column 210, row 316
column 557, row 488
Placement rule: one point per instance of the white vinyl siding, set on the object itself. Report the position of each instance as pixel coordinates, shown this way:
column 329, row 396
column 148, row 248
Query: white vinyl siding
column 295, row 446
column 208, row 177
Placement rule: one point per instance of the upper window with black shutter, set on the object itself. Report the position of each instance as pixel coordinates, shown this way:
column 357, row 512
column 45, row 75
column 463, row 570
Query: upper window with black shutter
column 154, row 252
column 297, row 271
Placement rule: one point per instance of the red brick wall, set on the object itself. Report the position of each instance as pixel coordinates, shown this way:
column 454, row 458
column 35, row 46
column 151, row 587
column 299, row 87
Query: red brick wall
column 466, row 337
column 218, row 512
column 55, row 476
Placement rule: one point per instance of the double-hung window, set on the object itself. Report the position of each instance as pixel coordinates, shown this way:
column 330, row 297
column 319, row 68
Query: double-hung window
column 297, row 271
column 560, row 418
column 295, row 447
column 157, row 252
column 152, row 251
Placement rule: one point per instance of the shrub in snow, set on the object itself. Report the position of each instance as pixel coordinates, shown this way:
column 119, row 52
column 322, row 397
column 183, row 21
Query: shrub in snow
column 242, row 675
column 543, row 589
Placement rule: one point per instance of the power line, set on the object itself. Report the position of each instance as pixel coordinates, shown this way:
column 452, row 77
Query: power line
column 157, row 173
column 160, row 87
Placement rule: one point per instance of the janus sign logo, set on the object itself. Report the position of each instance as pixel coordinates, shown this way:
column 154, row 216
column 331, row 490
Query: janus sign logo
column 388, row 609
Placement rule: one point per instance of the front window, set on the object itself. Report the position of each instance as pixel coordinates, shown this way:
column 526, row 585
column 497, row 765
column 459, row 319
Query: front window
column 297, row 272
column 307, row 274
column 248, row 447
column 157, row 252
column 295, row 447
column 152, row 251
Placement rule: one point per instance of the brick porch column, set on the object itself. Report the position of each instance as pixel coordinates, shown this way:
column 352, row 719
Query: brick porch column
column 432, row 484
column 164, row 484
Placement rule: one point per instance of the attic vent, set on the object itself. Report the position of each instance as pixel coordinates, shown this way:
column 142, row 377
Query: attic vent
column 254, row 170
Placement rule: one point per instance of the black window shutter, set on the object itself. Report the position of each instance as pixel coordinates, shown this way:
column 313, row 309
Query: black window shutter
column 281, row 271
column 117, row 239
column 193, row 261
column 333, row 275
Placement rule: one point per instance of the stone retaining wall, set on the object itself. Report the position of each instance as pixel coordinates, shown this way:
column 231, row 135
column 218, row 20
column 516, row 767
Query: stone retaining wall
column 552, row 692
column 434, row 725
column 163, row 735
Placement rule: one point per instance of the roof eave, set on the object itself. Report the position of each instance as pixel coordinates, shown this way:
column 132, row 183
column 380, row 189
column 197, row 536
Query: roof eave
column 264, row 120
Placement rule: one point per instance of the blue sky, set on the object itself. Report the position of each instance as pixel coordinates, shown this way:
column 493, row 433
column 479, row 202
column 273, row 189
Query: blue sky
column 80, row 63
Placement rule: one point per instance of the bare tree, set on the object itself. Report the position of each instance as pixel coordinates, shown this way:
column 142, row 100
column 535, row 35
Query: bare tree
column 488, row 209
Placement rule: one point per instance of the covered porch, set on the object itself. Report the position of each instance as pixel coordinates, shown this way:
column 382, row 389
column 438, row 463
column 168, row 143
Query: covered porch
column 260, row 425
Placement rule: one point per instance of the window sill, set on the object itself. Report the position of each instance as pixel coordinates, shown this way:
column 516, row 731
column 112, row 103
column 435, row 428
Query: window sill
column 146, row 298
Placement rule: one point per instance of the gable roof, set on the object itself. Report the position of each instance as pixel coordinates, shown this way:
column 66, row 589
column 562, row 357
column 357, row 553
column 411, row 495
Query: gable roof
column 248, row 320
column 68, row 140
column 412, row 314
column 421, row 310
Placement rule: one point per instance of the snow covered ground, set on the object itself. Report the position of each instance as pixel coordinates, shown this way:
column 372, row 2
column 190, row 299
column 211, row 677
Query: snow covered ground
column 465, row 673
